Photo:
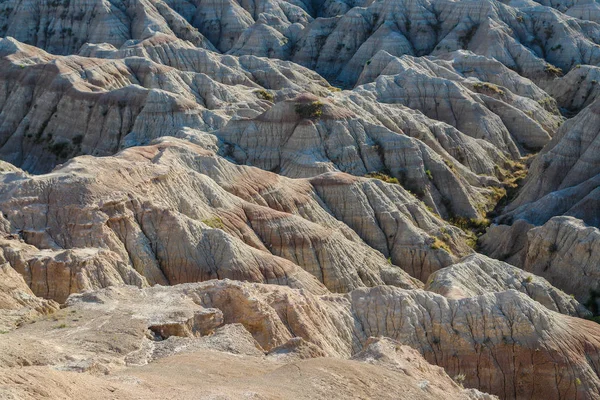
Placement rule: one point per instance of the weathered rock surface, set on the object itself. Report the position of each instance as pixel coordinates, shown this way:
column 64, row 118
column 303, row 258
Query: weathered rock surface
column 508, row 116
column 232, row 377
column 173, row 213
column 477, row 274
column 184, row 177
column 565, row 251
column 18, row 304
column 493, row 339
column 563, row 179
column 292, row 144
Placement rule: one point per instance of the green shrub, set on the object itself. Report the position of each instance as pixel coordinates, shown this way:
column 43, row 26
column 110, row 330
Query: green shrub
column 488, row 87
column 382, row 177
column 263, row 94
column 311, row 110
column 438, row 244
column 460, row 379
column 553, row 70
column 215, row 223
column 60, row 149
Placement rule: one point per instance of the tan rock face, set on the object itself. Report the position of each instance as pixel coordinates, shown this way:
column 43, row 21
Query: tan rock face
column 18, row 304
column 174, row 213
column 491, row 339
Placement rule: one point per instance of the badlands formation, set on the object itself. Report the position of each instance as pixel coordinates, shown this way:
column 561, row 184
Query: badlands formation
column 293, row 199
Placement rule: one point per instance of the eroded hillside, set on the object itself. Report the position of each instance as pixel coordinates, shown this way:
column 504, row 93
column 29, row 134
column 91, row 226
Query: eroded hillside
column 293, row 199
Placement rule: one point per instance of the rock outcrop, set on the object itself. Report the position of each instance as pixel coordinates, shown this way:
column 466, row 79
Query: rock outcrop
column 18, row 304
column 565, row 251
column 286, row 198
column 563, row 180
column 477, row 275
column 173, row 213
column 489, row 340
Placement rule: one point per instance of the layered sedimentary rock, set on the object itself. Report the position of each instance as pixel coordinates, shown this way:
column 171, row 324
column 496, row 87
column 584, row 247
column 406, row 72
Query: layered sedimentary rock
column 54, row 108
column 565, row 251
column 482, row 110
column 493, row 339
column 63, row 26
column 477, row 274
column 18, row 304
column 122, row 102
column 174, row 212
column 563, row 179
column 188, row 181
column 295, row 143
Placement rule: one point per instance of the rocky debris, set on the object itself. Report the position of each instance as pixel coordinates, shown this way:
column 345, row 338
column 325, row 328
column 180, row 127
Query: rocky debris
column 477, row 274
column 491, row 339
column 296, row 348
column 231, row 338
column 201, row 323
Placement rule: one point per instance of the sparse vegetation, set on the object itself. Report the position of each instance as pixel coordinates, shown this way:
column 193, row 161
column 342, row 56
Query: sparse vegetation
column 60, row 149
column 61, row 326
column 488, row 87
column 470, row 224
column 460, row 379
column 382, row 177
column 549, row 104
column 429, row 174
column 439, row 244
column 311, row 110
column 265, row 95
column 214, row 222
column 553, row 70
